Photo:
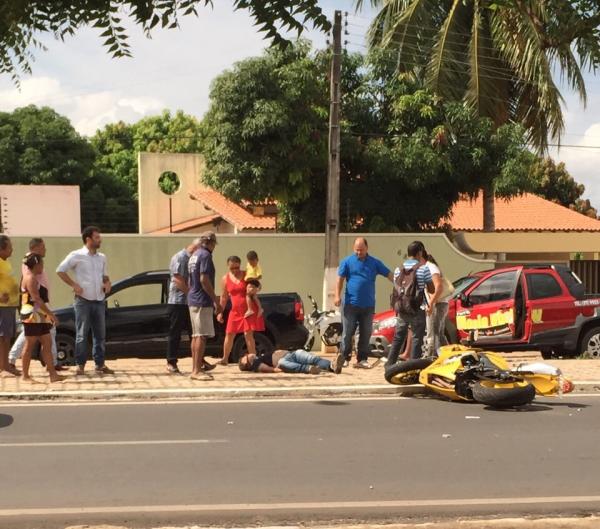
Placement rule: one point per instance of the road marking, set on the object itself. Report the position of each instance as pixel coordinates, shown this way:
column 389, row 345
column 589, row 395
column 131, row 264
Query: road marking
column 219, row 507
column 116, row 443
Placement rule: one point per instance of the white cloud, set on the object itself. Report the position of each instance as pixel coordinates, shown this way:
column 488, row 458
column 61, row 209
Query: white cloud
column 141, row 105
column 35, row 90
column 581, row 156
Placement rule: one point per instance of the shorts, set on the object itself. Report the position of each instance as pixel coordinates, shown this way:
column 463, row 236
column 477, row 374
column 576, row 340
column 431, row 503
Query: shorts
column 8, row 322
column 202, row 321
column 36, row 329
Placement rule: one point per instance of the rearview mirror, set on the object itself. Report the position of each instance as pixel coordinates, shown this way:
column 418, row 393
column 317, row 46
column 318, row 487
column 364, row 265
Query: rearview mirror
column 464, row 300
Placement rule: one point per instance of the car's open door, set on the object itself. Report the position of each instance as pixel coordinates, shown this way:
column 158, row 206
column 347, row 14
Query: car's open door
column 491, row 311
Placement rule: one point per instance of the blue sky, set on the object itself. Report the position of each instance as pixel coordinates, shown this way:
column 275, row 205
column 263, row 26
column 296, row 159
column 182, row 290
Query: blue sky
column 173, row 70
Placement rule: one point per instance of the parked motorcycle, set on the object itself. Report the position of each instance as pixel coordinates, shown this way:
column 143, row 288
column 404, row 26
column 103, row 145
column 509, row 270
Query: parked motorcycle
column 465, row 374
column 324, row 325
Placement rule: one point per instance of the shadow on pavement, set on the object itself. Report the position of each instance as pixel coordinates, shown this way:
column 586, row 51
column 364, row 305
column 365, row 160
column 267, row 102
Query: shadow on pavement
column 5, row 420
column 332, row 403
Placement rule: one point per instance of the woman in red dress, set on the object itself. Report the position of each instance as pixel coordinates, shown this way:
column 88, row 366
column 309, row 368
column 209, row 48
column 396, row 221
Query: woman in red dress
column 233, row 287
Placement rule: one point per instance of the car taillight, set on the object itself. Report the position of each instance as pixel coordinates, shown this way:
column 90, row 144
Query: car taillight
column 299, row 311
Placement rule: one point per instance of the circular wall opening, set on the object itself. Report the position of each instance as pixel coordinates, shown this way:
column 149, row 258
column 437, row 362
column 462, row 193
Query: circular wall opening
column 169, row 183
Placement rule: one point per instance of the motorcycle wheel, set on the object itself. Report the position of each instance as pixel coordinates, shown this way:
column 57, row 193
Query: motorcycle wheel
column 503, row 394
column 407, row 372
column 332, row 335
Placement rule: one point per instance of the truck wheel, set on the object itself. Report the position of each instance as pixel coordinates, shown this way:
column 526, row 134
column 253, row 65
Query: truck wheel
column 590, row 344
column 65, row 349
column 407, row 372
column 263, row 345
column 503, row 394
column 547, row 354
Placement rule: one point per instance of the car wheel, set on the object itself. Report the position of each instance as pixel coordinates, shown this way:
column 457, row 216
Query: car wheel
column 590, row 344
column 263, row 345
column 65, row 349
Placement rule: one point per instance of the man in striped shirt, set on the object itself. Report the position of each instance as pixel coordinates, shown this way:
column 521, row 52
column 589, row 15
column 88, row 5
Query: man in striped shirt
column 417, row 256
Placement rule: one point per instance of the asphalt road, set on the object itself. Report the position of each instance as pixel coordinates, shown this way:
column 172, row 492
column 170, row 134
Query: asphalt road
column 283, row 461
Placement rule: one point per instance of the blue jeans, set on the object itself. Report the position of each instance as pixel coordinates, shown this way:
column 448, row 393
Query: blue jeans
column 89, row 315
column 300, row 361
column 353, row 316
column 417, row 325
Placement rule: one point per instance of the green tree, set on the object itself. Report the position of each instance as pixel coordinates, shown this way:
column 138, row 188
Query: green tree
column 265, row 132
column 406, row 155
column 551, row 181
column 498, row 56
column 117, row 144
column 21, row 22
column 39, row 146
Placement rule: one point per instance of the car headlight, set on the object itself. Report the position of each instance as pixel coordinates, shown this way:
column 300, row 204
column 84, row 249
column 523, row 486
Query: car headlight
column 385, row 324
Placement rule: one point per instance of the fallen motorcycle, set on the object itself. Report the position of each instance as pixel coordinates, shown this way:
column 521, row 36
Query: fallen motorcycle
column 324, row 325
column 461, row 373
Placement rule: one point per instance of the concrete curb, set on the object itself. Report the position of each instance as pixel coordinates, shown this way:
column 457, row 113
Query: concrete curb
column 362, row 390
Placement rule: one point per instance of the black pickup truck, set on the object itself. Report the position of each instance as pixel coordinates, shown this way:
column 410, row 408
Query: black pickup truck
column 138, row 327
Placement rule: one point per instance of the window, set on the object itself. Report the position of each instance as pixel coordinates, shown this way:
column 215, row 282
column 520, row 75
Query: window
column 496, row 288
column 137, row 295
column 542, row 286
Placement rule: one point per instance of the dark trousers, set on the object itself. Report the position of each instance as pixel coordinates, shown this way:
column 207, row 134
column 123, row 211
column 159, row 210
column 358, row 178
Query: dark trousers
column 179, row 320
column 353, row 317
column 416, row 324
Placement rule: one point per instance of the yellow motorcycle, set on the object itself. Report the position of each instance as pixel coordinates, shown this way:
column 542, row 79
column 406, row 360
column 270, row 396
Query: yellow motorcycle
column 465, row 374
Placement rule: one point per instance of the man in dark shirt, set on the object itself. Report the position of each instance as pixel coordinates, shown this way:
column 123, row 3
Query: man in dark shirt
column 299, row 361
column 202, row 301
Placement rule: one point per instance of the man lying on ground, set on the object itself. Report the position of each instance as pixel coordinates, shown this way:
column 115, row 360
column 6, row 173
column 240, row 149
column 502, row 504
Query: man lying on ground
column 298, row 361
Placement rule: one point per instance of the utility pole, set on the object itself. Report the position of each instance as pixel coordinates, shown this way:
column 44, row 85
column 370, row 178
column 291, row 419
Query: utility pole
column 332, row 219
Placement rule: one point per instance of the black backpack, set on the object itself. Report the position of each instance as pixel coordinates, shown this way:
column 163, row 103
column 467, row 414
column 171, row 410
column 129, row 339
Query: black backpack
column 407, row 298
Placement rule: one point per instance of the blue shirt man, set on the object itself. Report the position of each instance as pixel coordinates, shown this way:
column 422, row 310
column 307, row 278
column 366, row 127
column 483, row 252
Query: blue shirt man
column 359, row 271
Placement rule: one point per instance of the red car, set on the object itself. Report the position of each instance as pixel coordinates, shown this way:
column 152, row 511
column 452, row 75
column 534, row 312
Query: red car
column 541, row 307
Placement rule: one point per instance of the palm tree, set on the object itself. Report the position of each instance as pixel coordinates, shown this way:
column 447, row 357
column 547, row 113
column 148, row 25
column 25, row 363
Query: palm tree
column 499, row 57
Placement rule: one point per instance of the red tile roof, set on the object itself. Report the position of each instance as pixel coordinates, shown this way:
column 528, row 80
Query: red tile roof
column 527, row 212
column 232, row 213
column 188, row 224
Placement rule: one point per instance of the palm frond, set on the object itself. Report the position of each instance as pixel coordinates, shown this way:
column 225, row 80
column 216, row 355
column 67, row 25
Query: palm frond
column 447, row 70
column 487, row 92
column 520, row 45
column 406, row 26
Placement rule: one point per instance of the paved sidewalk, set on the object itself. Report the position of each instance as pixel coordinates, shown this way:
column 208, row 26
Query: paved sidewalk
column 148, row 378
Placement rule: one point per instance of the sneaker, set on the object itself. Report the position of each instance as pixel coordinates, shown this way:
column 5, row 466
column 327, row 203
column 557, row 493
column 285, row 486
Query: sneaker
column 346, row 363
column 80, row 370
column 363, row 364
column 338, row 364
column 173, row 369
column 208, row 367
column 103, row 370
column 314, row 370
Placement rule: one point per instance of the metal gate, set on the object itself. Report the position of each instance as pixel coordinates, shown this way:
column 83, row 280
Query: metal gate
column 589, row 273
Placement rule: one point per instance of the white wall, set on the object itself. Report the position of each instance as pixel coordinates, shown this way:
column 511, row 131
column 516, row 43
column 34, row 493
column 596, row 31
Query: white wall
column 40, row 210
